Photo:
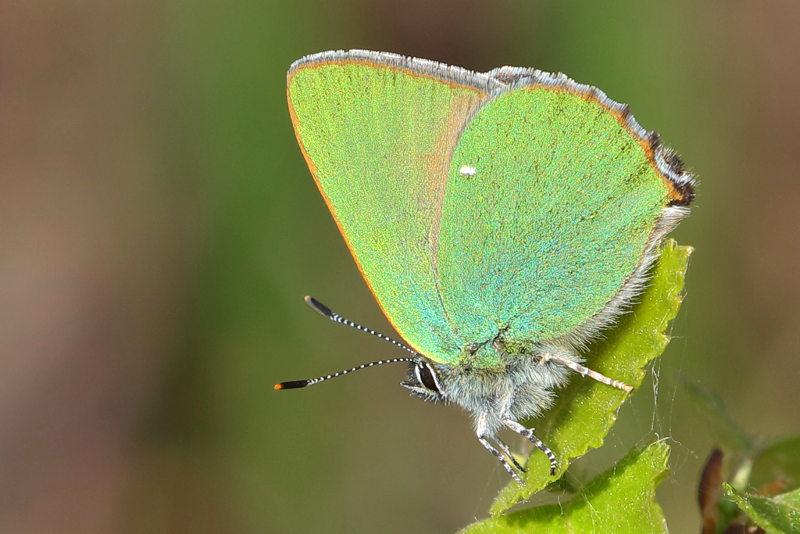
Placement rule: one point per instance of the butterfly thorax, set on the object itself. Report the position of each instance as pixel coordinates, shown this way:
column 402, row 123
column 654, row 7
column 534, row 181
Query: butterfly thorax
column 495, row 380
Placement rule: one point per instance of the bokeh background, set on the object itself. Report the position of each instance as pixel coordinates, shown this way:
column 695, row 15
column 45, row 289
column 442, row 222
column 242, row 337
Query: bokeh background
column 159, row 229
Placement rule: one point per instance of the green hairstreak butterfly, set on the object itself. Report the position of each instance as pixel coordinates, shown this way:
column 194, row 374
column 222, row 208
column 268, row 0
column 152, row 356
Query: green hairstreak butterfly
column 501, row 220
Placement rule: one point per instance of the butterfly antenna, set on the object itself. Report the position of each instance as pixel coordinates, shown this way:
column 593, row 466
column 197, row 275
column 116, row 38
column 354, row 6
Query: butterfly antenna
column 294, row 384
column 335, row 317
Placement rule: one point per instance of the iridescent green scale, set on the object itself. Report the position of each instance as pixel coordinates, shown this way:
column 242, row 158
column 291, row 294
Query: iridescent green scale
column 512, row 201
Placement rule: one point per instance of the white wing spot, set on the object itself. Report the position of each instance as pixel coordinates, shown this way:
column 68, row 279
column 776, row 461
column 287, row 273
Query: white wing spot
column 466, row 170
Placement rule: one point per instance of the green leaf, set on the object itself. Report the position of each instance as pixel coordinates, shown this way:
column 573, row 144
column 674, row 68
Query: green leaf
column 779, row 514
column 585, row 410
column 727, row 430
column 778, row 461
column 620, row 500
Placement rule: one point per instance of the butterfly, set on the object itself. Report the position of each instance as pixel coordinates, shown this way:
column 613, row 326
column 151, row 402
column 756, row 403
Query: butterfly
column 502, row 220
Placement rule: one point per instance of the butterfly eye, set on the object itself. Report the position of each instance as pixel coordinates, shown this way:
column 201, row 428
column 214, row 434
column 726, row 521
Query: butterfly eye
column 427, row 377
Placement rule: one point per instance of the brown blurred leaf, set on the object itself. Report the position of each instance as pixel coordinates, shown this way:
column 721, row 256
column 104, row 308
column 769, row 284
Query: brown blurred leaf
column 709, row 491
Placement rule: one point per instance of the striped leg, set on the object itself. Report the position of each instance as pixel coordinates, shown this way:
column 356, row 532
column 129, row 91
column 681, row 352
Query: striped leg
column 505, row 448
column 485, row 442
column 585, row 371
column 528, row 433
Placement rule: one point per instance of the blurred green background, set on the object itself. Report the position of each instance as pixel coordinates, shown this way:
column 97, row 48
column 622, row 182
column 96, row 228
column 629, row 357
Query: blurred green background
column 160, row 228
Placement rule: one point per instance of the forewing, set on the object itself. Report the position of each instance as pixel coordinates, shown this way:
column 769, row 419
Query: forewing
column 378, row 132
column 555, row 217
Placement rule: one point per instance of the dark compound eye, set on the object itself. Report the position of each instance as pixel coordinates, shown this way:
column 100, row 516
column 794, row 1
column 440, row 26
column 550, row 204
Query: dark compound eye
column 427, row 377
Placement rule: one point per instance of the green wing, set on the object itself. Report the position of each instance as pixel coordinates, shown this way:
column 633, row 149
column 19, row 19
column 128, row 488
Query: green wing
column 378, row 132
column 553, row 196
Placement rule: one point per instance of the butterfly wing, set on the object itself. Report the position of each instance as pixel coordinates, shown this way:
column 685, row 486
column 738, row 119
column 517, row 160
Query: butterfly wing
column 378, row 131
column 553, row 200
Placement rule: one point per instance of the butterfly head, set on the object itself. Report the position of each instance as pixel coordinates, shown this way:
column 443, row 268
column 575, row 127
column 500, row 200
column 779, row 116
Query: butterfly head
column 423, row 381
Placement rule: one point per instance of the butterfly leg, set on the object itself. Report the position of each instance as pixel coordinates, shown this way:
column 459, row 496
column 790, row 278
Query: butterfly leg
column 585, row 371
column 485, row 442
column 505, row 448
column 528, row 433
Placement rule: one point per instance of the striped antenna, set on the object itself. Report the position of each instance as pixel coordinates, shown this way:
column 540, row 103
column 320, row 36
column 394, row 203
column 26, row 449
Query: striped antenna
column 294, row 384
column 335, row 317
